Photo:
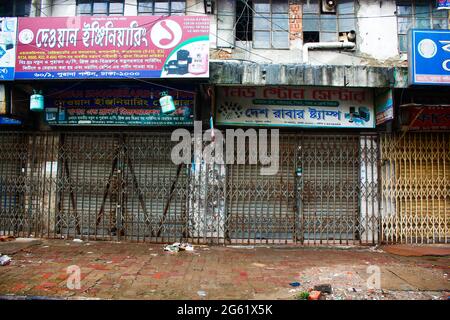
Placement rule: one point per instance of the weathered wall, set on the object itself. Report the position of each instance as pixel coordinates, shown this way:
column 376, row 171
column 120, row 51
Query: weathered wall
column 247, row 73
column 376, row 35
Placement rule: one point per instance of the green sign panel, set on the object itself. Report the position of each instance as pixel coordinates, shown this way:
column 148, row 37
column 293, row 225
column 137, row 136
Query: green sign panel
column 130, row 105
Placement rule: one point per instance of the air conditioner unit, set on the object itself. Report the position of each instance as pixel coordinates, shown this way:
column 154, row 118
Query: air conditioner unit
column 329, row 6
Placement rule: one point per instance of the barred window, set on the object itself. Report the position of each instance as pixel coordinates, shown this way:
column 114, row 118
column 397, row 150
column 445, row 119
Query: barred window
column 271, row 24
column 157, row 7
column 100, row 7
column 421, row 14
column 319, row 26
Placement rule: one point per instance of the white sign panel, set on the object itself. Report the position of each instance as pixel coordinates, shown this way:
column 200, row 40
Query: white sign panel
column 295, row 106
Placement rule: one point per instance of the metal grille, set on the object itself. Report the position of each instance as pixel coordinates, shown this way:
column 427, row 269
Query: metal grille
column 416, row 188
column 325, row 191
column 121, row 187
column 125, row 187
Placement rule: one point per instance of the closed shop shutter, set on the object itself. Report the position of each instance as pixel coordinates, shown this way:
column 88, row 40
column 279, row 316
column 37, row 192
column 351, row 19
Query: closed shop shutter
column 330, row 187
column 416, row 187
column 13, row 168
column 262, row 207
column 321, row 203
column 121, row 186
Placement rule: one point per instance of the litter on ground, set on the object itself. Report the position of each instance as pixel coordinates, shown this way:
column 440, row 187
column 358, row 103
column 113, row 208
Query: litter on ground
column 177, row 246
column 5, row 260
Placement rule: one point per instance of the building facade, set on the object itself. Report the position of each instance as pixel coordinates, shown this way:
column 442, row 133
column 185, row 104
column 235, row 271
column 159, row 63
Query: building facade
column 364, row 132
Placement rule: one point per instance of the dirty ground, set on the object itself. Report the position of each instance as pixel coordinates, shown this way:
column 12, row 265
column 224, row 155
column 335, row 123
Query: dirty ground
column 112, row 270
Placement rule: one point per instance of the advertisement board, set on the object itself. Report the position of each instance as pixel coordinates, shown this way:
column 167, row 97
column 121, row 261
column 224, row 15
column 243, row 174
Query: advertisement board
column 113, row 47
column 8, row 29
column 295, row 107
column 443, row 4
column 130, row 105
column 384, row 105
column 429, row 57
column 426, row 117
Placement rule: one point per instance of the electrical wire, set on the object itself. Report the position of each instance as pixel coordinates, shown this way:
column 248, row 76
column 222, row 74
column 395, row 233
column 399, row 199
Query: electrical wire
column 304, row 18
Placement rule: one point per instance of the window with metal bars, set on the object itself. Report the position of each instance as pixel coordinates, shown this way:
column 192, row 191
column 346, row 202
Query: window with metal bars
column 326, row 27
column 226, row 18
column 421, row 14
column 100, row 7
column 271, row 24
column 156, row 7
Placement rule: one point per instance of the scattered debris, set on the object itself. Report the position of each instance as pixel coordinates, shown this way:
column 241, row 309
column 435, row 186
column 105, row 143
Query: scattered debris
column 302, row 295
column 260, row 265
column 294, row 284
column 177, row 246
column 325, row 279
column 202, row 293
column 77, row 240
column 314, row 295
column 7, row 238
column 324, row 288
column 5, row 260
column 242, row 247
column 154, row 254
column 171, row 248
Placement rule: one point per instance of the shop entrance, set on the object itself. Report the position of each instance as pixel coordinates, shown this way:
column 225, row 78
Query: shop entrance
column 325, row 191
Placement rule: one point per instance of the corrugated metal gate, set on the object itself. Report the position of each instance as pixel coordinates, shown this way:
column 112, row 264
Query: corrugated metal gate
column 325, row 191
column 92, row 185
column 416, row 188
column 121, row 186
column 125, row 187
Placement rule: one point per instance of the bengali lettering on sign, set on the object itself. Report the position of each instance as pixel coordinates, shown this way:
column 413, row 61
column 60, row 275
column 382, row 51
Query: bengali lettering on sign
column 426, row 118
column 384, row 106
column 295, row 106
column 113, row 47
column 131, row 105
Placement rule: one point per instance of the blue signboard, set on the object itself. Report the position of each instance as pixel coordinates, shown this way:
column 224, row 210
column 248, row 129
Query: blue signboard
column 429, row 57
column 443, row 4
column 9, row 121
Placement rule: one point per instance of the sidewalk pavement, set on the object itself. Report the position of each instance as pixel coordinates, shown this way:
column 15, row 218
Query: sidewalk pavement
column 112, row 270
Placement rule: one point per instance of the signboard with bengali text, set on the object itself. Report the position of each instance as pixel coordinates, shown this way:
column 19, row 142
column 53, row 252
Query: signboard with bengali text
column 315, row 107
column 130, row 105
column 113, row 47
column 384, row 105
column 429, row 57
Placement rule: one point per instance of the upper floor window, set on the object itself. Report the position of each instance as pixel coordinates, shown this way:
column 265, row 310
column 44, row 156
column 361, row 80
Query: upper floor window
column 264, row 22
column 15, row 8
column 332, row 24
column 418, row 14
column 100, row 7
column 157, row 7
column 271, row 24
